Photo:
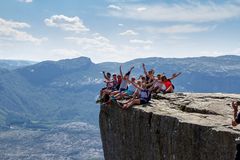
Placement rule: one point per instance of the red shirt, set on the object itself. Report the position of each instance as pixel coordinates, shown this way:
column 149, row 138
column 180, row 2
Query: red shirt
column 119, row 81
column 168, row 84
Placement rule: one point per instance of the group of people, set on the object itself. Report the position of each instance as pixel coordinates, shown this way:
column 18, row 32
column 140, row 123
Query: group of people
column 135, row 90
column 139, row 91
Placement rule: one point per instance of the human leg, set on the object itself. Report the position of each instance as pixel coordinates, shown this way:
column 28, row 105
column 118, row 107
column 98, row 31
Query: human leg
column 131, row 103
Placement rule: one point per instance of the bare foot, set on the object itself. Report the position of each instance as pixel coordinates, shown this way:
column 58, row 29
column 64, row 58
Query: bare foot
column 127, row 106
column 234, row 123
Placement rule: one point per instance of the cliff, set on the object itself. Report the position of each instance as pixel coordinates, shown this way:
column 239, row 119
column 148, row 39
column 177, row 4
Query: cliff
column 171, row 127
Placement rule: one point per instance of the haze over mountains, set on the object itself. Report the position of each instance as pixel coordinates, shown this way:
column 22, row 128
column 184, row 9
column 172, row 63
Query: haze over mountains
column 40, row 97
column 66, row 90
column 14, row 64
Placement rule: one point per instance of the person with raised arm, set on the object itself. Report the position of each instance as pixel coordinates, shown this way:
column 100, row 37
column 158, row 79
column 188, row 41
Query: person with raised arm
column 169, row 87
column 109, row 87
column 149, row 75
column 157, row 86
column 236, row 115
column 108, row 81
column 143, row 98
column 124, row 83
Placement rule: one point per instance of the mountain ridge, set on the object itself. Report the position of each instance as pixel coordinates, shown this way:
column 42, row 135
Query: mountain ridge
column 67, row 89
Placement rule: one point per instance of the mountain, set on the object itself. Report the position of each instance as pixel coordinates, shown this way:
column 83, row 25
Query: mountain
column 202, row 74
column 48, row 91
column 46, row 107
column 14, row 64
column 65, row 90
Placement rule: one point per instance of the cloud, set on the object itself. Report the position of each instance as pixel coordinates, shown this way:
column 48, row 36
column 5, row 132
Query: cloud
column 186, row 28
column 97, row 43
column 219, row 52
column 114, row 7
column 129, row 33
column 140, row 9
column 180, row 12
column 13, row 24
column 11, row 30
column 176, row 38
column 236, row 51
column 138, row 41
column 26, row 1
column 120, row 25
column 66, row 23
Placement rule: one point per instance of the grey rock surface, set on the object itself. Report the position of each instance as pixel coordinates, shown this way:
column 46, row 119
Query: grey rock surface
column 179, row 126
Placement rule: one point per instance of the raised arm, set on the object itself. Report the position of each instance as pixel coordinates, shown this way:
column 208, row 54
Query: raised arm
column 134, row 84
column 120, row 68
column 175, row 75
column 104, row 75
column 151, row 83
column 131, row 69
column 129, row 72
column 144, row 69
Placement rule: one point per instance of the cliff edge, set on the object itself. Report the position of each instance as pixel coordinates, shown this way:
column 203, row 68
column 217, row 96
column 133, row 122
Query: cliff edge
column 178, row 126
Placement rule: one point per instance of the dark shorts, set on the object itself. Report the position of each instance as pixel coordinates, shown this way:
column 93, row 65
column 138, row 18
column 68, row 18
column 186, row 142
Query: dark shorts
column 143, row 101
column 238, row 118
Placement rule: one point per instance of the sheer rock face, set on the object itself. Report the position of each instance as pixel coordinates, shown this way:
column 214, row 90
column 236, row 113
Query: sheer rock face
column 171, row 127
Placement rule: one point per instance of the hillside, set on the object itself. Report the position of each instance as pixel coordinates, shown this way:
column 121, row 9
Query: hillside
column 57, row 91
column 14, row 64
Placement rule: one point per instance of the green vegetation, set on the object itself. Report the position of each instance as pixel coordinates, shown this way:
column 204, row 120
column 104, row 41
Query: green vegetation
column 46, row 93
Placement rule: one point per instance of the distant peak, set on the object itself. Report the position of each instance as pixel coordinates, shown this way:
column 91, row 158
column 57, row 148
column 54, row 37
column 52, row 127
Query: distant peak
column 83, row 59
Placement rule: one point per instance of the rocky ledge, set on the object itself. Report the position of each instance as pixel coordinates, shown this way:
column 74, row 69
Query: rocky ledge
column 179, row 126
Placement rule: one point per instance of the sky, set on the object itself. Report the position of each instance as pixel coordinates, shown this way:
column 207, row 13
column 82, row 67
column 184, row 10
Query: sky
column 118, row 30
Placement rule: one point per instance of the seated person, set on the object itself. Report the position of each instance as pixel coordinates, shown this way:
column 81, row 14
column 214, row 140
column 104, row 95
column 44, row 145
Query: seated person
column 143, row 98
column 235, row 122
column 157, row 86
column 236, row 115
column 124, row 82
column 127, row 93
column 168, row 84
column 108, row 81
column 109, row 86
column 149, row 76
column 142, row 78
column 131, row 88
column 115, row 82
column 119, row 81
